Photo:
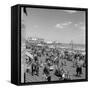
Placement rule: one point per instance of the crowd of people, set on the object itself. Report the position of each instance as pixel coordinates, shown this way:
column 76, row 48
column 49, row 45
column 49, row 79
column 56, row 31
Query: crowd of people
column 45, row 61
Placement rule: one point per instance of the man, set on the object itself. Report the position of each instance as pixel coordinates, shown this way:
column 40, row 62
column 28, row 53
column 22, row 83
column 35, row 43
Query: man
column 46, row 72
column 35, row 66
column 79, row 67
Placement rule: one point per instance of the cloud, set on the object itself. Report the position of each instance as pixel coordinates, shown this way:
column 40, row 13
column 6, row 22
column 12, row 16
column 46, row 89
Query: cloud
column 66, row 23
column 70, row 11
column 59, row 26
column 76, row 25
column 80, row 26
column 63, row 25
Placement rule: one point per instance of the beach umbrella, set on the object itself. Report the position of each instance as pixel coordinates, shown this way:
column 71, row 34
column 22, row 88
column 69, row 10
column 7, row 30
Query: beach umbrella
column 29, row 55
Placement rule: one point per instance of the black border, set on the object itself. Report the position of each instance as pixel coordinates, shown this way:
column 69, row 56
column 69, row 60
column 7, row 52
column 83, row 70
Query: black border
column 19, row 41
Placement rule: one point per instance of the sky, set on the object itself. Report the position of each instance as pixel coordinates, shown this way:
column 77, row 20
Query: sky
column 62, row 26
